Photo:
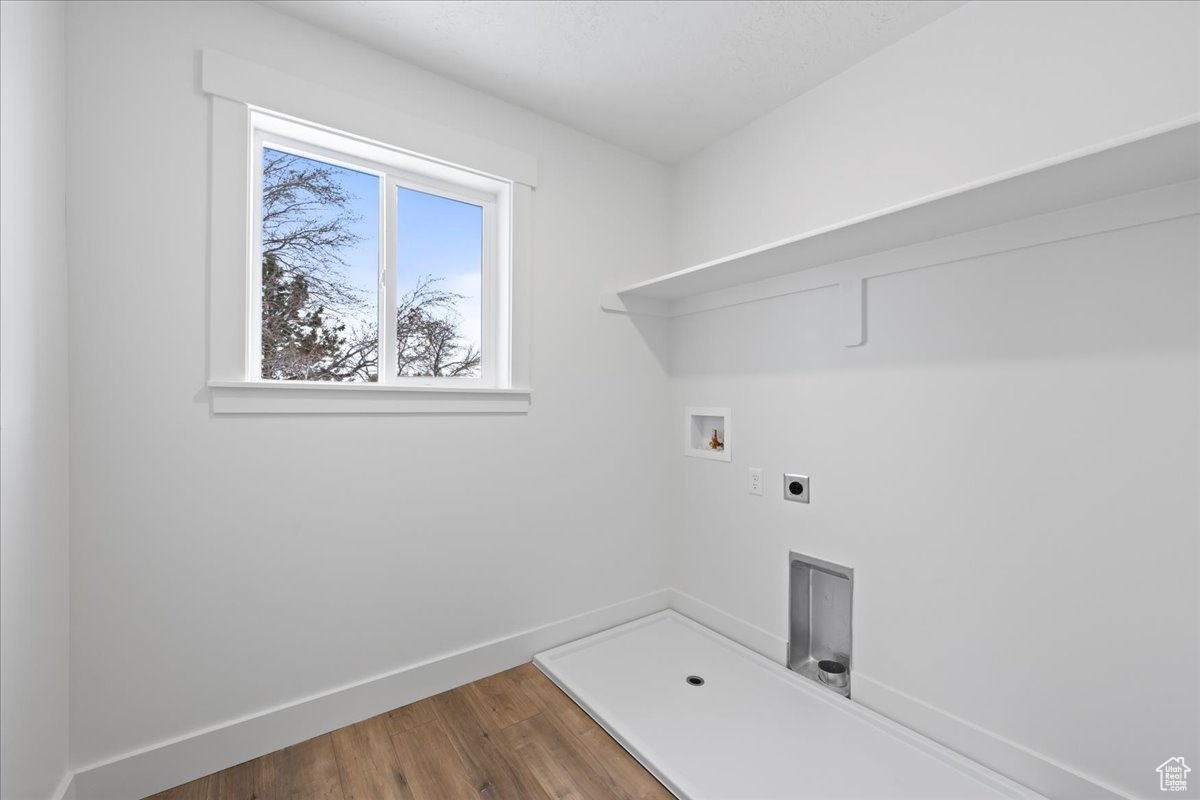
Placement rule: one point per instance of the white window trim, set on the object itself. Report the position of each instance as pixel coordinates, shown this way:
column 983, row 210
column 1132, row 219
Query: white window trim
column 239, row 89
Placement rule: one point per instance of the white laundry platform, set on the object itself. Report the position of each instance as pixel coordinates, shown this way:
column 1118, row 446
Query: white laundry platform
column 754, row 730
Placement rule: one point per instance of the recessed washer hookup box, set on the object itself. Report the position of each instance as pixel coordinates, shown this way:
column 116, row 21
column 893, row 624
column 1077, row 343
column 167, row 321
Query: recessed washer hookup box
column 820, row 598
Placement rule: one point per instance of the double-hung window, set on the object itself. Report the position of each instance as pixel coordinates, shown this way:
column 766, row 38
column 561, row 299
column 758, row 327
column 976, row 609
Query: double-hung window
column 371, row 265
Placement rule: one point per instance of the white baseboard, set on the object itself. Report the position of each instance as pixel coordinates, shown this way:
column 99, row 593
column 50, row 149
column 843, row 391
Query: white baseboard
column 66, row 788
column 760, row 641
column 188, row 757
column 1039, row 772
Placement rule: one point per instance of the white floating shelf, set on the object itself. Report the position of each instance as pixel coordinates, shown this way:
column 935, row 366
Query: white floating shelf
column 1162, row 157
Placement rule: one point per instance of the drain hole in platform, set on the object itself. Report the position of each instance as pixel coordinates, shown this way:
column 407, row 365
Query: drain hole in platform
column 695, row 680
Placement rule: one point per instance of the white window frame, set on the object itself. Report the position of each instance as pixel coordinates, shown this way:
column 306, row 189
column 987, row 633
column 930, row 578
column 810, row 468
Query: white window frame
column 395, row 169
column 308, row 118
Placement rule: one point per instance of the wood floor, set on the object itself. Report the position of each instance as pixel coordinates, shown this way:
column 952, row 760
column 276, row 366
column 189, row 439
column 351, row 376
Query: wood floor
column 512, row 736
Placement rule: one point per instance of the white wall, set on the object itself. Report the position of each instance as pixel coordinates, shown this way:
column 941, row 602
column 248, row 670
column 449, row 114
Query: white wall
column 992, row 86
column 33, row 402
column 1010, row 466
column 222, row 566
column 1010, row 462
column 207, row 584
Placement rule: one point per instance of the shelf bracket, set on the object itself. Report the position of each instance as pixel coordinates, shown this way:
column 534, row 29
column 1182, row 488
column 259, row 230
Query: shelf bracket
column 648, row 306
column 851, row 299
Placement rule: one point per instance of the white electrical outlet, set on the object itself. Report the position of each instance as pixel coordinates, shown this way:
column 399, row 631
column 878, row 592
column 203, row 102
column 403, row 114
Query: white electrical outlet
column 756, row 480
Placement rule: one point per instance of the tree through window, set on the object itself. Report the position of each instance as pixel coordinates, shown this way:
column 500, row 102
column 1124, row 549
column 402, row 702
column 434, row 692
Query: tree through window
column 322, row 268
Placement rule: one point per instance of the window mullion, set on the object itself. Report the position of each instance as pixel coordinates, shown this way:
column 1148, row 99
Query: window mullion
column 388, row 357
column 488, row 346
column 254, row 283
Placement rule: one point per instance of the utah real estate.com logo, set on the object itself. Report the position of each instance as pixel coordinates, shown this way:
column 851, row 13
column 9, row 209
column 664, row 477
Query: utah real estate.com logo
column 1172, row 775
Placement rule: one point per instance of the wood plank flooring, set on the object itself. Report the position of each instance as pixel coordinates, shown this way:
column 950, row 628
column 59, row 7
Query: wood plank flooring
column 511, row 736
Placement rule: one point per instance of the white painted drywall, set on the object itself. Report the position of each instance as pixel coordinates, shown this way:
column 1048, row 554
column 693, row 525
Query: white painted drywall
column 992, row 86
column 226, row 565
column 1010, row 466
column 1010, row 462
column 195, row 601
column 34, row 529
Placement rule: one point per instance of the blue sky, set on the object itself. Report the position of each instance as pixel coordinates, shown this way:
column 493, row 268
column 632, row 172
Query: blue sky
column 435, row 236
column 442, row 237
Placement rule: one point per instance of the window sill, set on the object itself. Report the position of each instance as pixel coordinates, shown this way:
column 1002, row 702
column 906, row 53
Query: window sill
column 302, row 397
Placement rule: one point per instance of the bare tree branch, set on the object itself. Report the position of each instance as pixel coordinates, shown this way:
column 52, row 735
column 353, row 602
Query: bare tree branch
column 307, row 229
column 428, row 334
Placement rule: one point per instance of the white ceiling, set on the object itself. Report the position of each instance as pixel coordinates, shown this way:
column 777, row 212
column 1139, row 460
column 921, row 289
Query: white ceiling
column 664, row 79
